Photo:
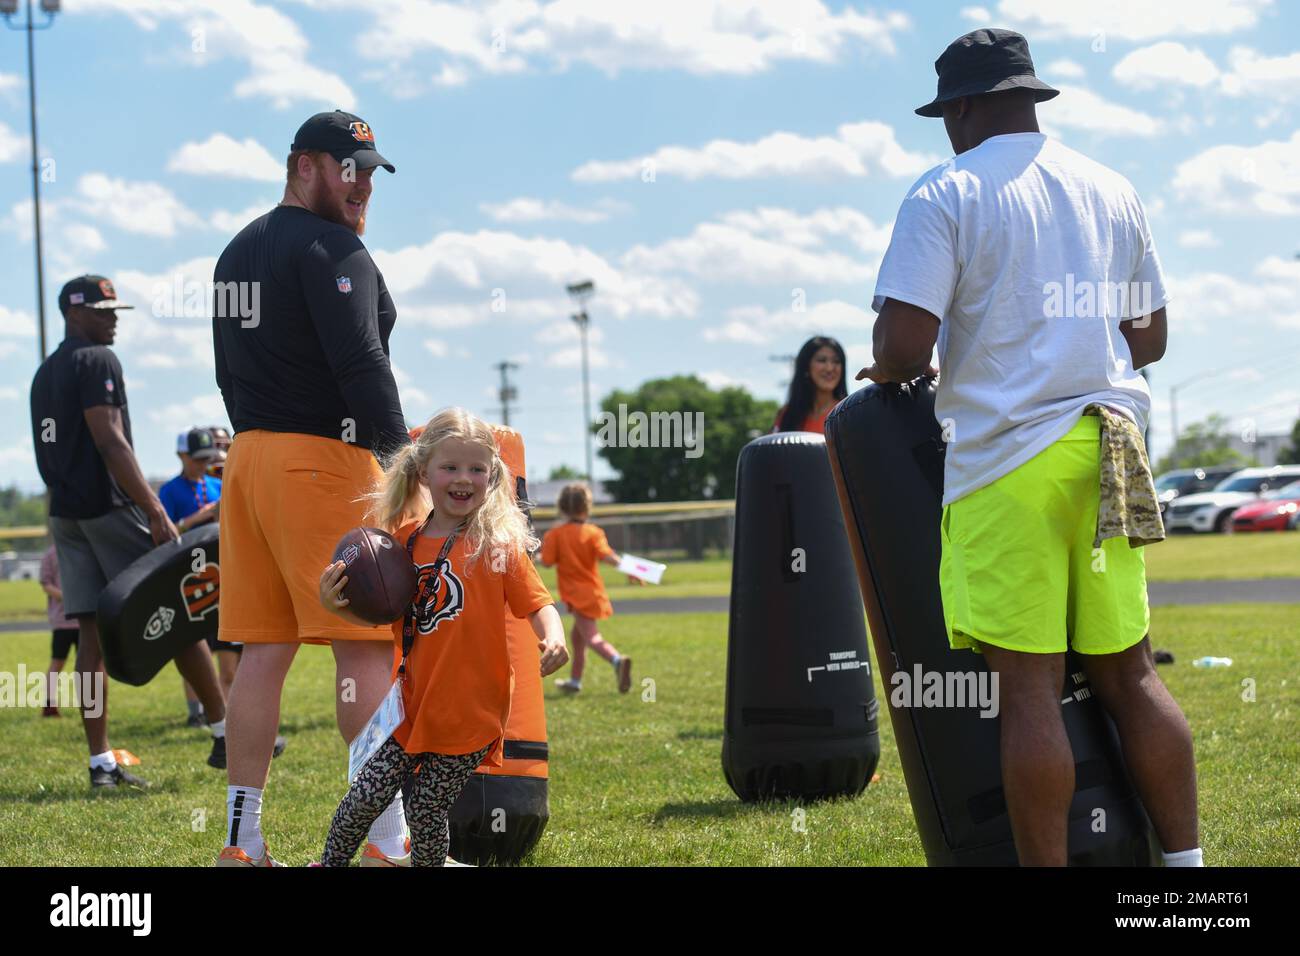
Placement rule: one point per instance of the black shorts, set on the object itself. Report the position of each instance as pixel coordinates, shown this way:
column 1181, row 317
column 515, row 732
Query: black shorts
column 63, row 640
column 216, row 645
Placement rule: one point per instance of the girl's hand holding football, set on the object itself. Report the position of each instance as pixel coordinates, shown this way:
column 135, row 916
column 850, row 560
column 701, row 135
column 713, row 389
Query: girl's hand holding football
column 332, row 581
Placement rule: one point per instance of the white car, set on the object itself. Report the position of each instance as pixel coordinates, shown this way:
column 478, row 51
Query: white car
column 1212, row 510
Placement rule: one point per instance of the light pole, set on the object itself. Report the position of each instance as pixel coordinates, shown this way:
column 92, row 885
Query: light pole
column 49, row 7
column 508, row 393
column 580, row 292
column 1173, row 403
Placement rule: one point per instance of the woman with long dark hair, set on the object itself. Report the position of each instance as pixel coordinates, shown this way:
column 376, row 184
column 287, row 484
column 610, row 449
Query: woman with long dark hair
column 815, row 388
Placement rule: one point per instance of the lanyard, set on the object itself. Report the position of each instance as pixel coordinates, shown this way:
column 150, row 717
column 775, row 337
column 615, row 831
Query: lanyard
column 202, row 485
column 426, row 588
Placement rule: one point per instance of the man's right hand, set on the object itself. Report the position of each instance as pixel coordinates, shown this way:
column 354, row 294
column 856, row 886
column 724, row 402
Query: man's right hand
column 161, row 527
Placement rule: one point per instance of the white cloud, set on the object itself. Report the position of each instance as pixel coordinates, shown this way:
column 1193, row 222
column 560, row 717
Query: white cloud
column 758, row 326
column 1063, row 67
column 221, row 155
column 147, row 208
column 1268, row 300
column 565, row 332
column 856, row 149
column 83, row 239
column 226, row 221
column 1263, row 179
column 206, row 408
column 526, row 209
column 171, row 325
column 9, row 393
column 527, row 271
column 769, row 246
column 1253, row 74
column 8, row 349
column 436, row 347
column 1080, row 108
column 1198, row 239
column 10, row 83
column 16, row 323
column 13, row 145
column 1125, row 20
column 705, row 37
column 271, row 43
column 572, row 358
column 1163, row 64
column 976, row 14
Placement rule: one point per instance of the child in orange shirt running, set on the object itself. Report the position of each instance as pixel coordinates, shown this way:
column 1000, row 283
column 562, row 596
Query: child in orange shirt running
column 471, row 552
column 576, row 549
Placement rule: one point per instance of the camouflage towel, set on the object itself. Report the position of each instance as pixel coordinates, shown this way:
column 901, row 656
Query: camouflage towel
column 1128, row 507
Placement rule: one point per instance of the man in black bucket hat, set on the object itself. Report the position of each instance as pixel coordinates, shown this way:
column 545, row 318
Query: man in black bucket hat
column 1043, row 409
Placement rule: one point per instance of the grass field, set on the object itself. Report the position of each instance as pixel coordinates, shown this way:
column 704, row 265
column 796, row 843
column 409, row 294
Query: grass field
column 632, row 782
column 1179, row 558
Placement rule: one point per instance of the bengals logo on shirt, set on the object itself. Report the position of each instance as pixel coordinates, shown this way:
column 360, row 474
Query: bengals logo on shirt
column 445, row 603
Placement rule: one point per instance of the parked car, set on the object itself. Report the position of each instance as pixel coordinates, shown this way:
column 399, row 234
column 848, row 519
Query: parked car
column 1189, row 481
column 1278, row 510
column 1212, row 510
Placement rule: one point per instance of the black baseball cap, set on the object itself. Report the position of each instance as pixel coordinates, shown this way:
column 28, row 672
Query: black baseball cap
column 93, row 292
column 199, row 444
column 343, row 136
column 985, row 61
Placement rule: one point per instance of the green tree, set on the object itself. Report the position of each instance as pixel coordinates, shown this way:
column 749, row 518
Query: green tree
column 666, row 409
column 1201, row 445
column 564, row 473
column 1291, row 455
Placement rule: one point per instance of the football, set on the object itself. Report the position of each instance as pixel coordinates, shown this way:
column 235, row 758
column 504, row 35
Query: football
column 381, row 577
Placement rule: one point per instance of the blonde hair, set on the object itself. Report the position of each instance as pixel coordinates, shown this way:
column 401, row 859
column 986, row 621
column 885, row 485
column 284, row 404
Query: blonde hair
column 496, row 526
column 574, row 500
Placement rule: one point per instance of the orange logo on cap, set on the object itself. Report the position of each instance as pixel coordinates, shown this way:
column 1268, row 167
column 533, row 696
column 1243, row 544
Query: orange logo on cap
column 106, row 287
column 361, row 132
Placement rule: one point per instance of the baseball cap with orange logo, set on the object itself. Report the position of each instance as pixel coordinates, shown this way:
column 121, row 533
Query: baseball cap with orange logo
column 93, row 292
column 344, row 136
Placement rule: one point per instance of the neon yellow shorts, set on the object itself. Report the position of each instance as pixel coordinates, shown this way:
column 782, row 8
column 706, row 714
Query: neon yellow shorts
column 1019, row 570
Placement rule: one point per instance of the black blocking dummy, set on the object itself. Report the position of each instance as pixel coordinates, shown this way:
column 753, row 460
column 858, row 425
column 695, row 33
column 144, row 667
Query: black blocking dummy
column 887, row 457
column 801, row 707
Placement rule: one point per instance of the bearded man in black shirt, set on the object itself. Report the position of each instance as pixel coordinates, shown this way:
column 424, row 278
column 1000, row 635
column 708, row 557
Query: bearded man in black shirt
column 301, row 320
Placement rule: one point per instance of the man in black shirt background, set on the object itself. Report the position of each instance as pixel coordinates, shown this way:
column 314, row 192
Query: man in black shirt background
column 103, row 514
column 301, row 319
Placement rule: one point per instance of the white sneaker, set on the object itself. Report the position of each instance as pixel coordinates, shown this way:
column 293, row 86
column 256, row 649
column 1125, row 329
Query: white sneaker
column 568, row 685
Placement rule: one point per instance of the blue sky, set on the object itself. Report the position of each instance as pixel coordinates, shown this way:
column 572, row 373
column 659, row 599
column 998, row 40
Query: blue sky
column 709, row 164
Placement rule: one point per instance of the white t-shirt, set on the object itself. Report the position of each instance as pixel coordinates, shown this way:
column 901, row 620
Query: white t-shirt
column 1030, row 255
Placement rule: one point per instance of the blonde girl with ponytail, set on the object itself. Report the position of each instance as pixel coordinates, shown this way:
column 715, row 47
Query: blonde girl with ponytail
column 447, row 498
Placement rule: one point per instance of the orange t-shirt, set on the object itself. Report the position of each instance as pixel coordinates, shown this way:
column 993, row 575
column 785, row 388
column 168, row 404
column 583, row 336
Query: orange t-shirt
column 575, row 548
column 458, row 677
column 813, row 423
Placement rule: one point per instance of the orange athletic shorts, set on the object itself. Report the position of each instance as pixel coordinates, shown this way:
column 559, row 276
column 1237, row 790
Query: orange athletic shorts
column 286, row 499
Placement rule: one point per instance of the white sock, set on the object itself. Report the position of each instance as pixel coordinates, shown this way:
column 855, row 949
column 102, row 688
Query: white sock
column 1184, row 858
column 218, row 727
column 104, row 761
column 244, row 820
column 388, row 832
column 616, row 658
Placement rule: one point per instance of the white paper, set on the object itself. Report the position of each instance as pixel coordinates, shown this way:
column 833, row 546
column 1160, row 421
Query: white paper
column 387, row 718
column 641, row 568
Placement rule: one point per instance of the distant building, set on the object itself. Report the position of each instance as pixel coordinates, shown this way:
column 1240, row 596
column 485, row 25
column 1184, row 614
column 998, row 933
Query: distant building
column 1265, row 449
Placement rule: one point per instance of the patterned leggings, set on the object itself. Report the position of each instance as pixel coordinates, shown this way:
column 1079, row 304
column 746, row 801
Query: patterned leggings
column 434, row 789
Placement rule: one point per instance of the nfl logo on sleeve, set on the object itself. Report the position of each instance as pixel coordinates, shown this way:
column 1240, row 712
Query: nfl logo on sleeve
column 344, row 283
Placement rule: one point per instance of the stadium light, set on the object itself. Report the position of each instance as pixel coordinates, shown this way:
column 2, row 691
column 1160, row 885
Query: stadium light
column 580, row 292
column 50, row 7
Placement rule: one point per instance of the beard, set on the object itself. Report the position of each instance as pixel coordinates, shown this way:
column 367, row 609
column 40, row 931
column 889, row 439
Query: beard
column 328, row 206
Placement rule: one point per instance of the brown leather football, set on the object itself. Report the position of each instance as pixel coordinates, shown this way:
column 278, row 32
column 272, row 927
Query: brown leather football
column 381, row 577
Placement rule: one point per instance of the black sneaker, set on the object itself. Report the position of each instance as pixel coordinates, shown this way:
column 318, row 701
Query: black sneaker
column 197, row 720
column 218, row 756
column 280, row 744
column 117, row 777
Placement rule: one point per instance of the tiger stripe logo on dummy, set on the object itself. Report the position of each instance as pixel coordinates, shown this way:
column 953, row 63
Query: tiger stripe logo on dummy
column 447, row 600
column 201, row 591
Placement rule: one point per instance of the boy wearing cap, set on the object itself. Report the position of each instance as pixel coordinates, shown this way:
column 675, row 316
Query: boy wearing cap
column 103, row 514
column 309, row 391
column 1048, row 496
